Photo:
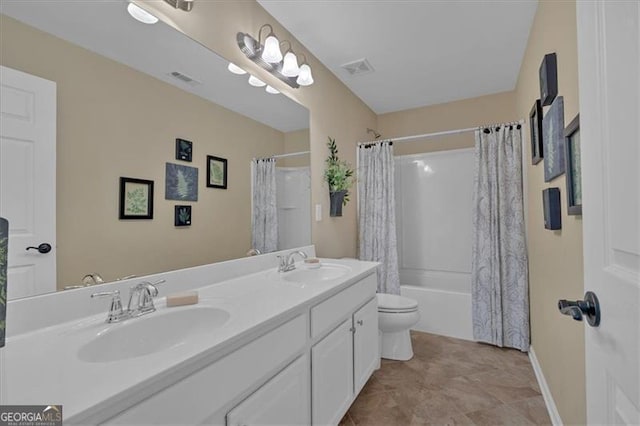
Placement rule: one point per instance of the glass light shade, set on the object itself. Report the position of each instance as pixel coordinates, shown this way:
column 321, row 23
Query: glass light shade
column 271, row 52
column 235, row 69
column 271, row 90
column 256, row 82
column 305, row 78
column 139, row 14
column 290, row 66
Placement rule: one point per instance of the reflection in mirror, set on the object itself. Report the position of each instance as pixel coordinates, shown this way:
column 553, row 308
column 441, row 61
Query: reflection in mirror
column 106, row 97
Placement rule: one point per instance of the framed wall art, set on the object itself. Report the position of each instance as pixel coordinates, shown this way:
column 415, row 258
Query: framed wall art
column 136, row 198
column 181, row 182
column 535, row 127
column 548, row 79
column 574, row 170
column 216, row 172
column 553, row 139
column 182, row 216
column 184, row 150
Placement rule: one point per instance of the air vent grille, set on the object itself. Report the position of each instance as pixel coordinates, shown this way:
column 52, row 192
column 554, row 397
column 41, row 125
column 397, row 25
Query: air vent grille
column 184, row 78
column 359, row 67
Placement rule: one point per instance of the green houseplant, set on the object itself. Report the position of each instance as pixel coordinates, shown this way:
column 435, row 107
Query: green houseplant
column 339, row 176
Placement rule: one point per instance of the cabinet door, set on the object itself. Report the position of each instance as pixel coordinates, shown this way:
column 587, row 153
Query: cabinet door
column 332, row 375
column 283, row 400
column 365, row 343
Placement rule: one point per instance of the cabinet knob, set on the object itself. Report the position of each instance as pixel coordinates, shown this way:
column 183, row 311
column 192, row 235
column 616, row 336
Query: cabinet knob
column 360, row 322
column 352, row 329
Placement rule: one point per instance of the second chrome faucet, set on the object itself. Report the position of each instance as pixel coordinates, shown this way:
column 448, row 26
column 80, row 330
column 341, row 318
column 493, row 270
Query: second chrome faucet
column 286, row 264
column 140, row 301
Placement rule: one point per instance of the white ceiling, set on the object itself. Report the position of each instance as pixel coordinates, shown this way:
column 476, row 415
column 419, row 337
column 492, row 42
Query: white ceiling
column 106, row 28
column 423, row 52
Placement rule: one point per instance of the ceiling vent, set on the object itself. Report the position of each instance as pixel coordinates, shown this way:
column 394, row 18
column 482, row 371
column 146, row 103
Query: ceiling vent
column 184, row 78
column 359, row 67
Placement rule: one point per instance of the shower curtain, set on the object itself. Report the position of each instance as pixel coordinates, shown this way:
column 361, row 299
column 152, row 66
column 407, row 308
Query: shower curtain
column 499, row 270
column 377, row 217
column 264, row 217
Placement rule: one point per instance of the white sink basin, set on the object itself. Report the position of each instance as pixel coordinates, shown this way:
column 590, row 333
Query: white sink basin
column 326, row 272
column 151, row 333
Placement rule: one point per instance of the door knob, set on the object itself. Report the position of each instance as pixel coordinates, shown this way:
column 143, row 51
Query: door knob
column 43, row 248
column 589, row 307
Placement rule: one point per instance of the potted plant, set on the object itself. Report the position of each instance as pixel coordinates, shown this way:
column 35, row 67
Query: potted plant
column 338, row 175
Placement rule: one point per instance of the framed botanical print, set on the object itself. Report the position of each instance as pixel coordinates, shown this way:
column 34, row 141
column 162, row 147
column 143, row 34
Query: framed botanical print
column 216, row 172
column 184, row 150
column 553, row 138
column 573, row 166
column 136, row 198
column 535, row 127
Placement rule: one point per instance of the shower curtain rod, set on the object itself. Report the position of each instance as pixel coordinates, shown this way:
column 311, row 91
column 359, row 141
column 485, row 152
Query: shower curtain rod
column 293, row 154
column 436, row 134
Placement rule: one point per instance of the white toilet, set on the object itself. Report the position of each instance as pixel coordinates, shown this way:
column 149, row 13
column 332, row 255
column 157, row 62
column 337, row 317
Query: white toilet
column 396, row 315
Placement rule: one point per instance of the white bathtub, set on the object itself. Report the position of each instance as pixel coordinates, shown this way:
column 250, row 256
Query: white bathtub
column 447, row 313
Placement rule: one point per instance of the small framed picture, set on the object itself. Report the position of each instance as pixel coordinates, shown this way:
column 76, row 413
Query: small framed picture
column 136, row 198
column 548, row 79
column 182, row 216
column 216, row 172
column 573, row 167
column 184, row 150
column 535, row 126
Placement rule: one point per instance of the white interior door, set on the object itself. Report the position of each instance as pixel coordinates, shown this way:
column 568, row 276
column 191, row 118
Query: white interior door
column 609, row 64
column 28, row 180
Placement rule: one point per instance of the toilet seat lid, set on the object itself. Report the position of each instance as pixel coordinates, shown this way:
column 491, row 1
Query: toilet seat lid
column 394, row 303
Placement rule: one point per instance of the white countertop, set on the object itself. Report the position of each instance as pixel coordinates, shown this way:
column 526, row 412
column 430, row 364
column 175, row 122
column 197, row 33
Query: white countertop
column 42, row 366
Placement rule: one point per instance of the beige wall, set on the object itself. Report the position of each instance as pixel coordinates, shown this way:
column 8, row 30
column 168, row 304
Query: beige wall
column 462, row 114
column 114, row 121
column 555, row 257
column 334, row 110
column 297, row 141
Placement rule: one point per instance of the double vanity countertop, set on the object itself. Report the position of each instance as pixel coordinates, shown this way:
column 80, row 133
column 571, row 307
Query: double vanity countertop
column 90, row 366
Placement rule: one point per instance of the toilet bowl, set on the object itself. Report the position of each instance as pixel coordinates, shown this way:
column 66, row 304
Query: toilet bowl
column 396, row 315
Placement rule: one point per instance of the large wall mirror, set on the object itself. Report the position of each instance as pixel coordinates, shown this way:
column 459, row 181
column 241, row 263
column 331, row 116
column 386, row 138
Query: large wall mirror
column 124, row 92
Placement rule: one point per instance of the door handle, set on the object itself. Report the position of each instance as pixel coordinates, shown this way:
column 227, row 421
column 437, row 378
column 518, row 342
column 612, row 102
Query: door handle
column 43, row 248
column 589, row 307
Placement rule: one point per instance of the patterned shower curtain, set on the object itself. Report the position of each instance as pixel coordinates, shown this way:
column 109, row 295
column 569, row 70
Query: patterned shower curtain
column 264, row 217
column 499, row 270
column 377, row 214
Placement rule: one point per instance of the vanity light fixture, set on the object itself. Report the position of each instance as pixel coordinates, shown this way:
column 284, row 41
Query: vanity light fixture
column 271, row 90
column 270, row 58
column 304, row 77
column 256, row 82
column 235, row 69
column 290, row 66
column 271, row 52
column 185, row 5
column 141, row 15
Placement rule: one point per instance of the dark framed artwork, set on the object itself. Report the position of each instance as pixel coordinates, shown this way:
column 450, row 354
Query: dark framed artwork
column 182, row 216
column 136, row 198
column 553, row 139
column 573, row 166
column 184, row 150
column 216, row 172
column 535, row 127
column 551, row 207
column 548, row 79
column 181, row 182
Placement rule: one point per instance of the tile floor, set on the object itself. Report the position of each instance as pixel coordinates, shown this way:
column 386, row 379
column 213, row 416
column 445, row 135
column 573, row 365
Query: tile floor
column 450, row 382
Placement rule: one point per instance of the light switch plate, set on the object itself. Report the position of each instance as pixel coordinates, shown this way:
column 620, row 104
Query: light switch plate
column 318, row 212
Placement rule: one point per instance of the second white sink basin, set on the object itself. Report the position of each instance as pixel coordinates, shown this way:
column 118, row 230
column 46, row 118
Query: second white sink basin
column 326, row 272
column 151, row 333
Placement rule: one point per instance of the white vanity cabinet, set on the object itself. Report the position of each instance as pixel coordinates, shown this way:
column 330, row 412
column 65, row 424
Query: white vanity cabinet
column 283, row 400
column 344, row 359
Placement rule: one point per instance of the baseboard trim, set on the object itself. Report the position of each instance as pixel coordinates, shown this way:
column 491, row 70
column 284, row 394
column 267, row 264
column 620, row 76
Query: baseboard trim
column 554, row 415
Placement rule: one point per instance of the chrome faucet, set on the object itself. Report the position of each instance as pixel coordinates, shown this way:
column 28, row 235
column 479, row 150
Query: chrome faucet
column 287, row 263
column 145, row 292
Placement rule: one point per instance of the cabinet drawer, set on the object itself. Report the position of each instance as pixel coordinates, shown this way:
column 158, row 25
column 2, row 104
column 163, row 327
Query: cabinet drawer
column 332, row 311
column 198, row 396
